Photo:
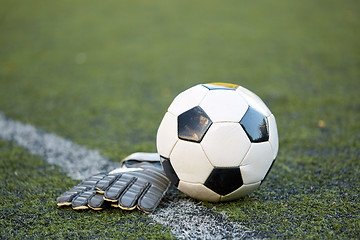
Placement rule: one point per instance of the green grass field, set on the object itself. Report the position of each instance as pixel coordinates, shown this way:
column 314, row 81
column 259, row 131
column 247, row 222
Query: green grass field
column 103, row 74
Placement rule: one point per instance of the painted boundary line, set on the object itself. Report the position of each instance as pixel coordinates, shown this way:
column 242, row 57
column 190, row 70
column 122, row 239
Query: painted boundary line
column 77, row 161
column 186, row 219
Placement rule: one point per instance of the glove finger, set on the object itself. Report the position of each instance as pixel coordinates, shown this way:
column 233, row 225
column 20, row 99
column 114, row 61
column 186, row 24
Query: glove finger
column 81, row 200
column 113, row 193
column 129, row 198
column 91, row 181
column 151, row 198
column 96, row 201
column 138, row 193
column 66, row 198
column 105, row 182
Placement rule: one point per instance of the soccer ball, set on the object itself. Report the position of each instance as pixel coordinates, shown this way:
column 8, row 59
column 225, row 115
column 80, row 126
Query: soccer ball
column 217, row 142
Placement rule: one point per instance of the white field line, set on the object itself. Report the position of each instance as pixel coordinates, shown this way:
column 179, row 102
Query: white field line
column 186, row 219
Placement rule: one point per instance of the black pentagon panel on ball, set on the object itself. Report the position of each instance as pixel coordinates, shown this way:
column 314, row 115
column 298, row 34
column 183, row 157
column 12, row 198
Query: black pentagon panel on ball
column 224, row 180
column 220, row 86
column 255, row 125
column 169, row 171
column 193, row 124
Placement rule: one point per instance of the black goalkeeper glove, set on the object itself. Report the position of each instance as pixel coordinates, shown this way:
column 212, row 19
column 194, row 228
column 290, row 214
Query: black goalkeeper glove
column 140, row 183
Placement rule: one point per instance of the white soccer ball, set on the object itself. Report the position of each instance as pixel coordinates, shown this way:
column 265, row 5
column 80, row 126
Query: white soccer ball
column 217, row 142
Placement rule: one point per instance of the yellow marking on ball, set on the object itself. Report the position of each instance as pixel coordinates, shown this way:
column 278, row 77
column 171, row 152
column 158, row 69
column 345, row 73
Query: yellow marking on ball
column 227, row 85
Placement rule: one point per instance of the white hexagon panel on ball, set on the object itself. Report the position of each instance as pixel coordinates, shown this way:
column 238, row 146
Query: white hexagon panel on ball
column 199, row 191
column 253, row 100
column 225, row 144
column 256, row 162
column 224, row 106
column 187, row 99
column 167, row 135
column 190, row 162
column 273, row 135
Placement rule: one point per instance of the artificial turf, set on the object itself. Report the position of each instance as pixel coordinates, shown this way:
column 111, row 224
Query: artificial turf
column 103, row 74
column 28, row 208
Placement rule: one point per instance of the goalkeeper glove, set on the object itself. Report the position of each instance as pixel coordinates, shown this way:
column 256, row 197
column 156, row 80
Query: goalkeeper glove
column 140, row 183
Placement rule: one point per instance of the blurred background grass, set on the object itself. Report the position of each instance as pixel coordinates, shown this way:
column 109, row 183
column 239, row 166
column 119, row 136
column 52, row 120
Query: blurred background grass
column 103, row 74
